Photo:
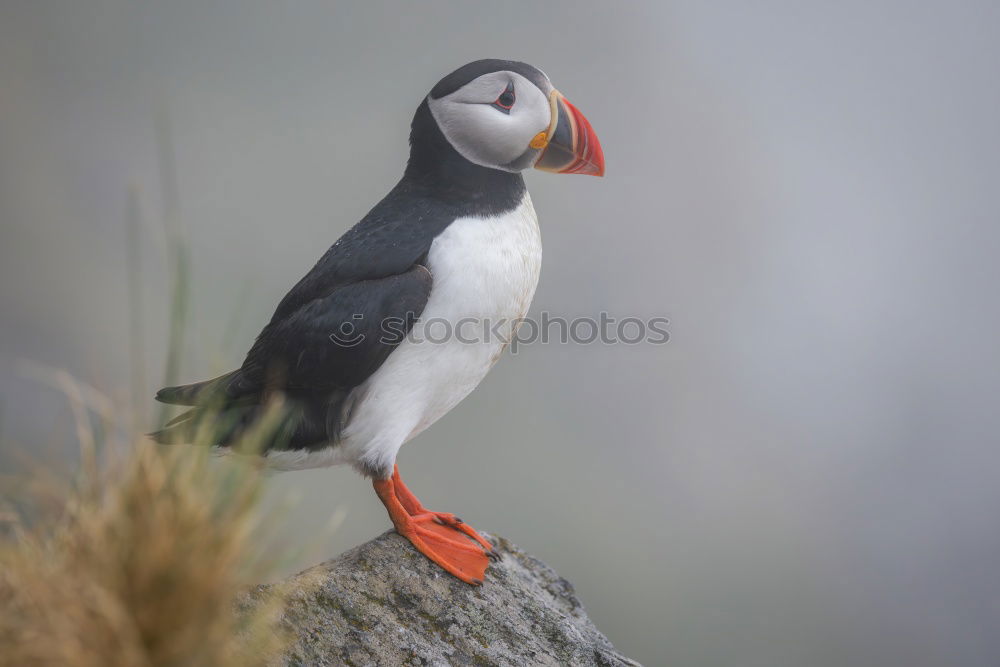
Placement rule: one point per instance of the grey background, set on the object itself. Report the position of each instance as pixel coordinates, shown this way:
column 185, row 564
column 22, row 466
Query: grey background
column 805, row 475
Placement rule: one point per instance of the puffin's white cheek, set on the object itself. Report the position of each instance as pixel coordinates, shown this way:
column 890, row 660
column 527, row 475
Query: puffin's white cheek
column 482, row 134
column 502, row 137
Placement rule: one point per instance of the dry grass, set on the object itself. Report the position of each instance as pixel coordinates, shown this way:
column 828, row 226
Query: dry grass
column 138, row 561
column 140, row 566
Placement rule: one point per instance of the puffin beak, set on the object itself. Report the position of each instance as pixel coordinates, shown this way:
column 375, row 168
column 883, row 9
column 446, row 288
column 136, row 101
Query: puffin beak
column 569, row 145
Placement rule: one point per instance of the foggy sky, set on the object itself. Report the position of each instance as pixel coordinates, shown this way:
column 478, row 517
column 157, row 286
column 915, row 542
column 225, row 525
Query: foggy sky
column 806, row 474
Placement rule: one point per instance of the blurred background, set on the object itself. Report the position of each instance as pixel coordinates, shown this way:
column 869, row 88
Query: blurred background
column 806, row 474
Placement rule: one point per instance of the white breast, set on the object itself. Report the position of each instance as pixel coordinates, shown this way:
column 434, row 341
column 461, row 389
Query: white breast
column 485, row 271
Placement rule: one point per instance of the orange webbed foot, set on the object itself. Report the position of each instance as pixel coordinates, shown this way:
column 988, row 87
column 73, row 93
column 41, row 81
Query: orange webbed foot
column 453, row 522
column 441, row 544
column 444, row 538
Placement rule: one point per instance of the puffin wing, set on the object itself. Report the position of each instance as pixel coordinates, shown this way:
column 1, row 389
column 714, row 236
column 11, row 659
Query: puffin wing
column 330, row 342
column 373, row 271
column 338, row 340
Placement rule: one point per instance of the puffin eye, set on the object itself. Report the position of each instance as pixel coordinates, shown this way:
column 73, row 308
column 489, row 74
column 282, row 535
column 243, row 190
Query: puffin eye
column 506, row 99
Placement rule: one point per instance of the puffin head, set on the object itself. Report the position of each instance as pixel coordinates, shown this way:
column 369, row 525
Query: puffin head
column 507, row 115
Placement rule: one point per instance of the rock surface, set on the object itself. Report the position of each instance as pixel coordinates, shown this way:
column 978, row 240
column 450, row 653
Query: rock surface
column 383, row 603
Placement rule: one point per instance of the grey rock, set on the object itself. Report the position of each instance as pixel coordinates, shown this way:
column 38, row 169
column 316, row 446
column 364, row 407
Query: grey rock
column 383, row 603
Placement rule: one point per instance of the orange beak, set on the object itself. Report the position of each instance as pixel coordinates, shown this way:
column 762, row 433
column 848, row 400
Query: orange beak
column 569, row 145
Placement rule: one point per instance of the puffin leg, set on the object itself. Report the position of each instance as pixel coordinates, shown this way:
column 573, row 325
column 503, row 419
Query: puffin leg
column 438, row 541
column 415, row 507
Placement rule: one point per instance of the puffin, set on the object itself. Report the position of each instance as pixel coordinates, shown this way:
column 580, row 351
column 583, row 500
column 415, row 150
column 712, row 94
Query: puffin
column 407, row 312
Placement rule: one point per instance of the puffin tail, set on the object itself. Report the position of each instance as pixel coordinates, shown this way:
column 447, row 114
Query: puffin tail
column 178, row 429
column 199, row 393
column 293, row 422
column 205, row 425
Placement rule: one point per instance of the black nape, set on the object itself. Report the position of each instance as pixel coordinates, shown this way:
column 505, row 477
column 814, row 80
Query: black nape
column 436, row 166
